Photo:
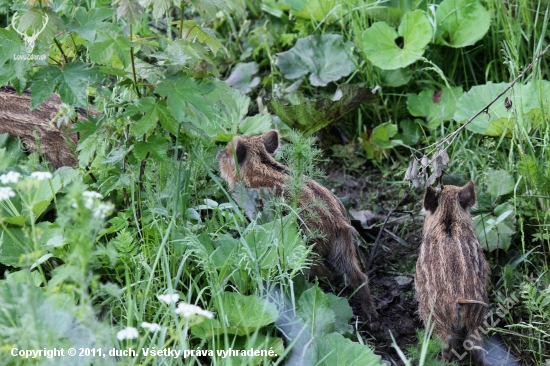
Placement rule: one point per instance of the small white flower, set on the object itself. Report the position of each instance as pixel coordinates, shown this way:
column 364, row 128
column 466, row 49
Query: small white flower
column 103, row 210
column 9, row 177
column 187, row 310
column 127, row 333
column 41, row 175
column 90, row 195
column 6, row 193
column 169, row 298
column 152, row 327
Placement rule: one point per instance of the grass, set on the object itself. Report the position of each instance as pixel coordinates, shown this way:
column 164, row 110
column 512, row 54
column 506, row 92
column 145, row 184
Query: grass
column 176, row 230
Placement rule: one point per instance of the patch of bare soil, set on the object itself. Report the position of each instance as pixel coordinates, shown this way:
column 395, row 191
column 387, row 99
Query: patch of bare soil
column 391, row 274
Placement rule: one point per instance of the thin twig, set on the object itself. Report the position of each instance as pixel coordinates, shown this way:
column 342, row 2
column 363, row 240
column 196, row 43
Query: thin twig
column 403, row 201
column 486, row 108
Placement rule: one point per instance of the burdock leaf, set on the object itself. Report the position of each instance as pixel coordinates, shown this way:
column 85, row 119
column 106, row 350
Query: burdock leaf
column 242, row 77
column 378, row 41
column 461, row 23
column 327, row 57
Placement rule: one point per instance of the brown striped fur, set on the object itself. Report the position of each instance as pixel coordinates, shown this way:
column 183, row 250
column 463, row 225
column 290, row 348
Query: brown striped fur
column 451, row 272
column 259, row 169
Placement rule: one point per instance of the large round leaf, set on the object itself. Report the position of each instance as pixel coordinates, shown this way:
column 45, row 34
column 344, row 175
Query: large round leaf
column 461, row 23
column 327, row 57
column 379, row 45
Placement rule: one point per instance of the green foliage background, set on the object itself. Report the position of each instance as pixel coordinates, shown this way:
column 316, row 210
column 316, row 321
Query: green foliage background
column 172, row 79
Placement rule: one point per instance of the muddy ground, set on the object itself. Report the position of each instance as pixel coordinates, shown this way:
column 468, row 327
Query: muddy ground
column 370, row 196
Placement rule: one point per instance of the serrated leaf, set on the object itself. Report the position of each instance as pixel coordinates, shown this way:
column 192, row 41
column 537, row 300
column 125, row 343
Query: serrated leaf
column 155, row 145
column 86, row 24
column 193, row 31
column 461, row 23
column 110, row 48
column 435, row 110
column 327, row 57
column 153, row 111
column 71, row 82
column 186, row 98
column 160, row 7
column 130, row 10
column 378, row 41
column 310, row 116
column 255, row 125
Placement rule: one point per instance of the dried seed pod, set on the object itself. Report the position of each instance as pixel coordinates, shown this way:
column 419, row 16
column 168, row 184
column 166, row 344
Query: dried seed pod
column 425, row 161
column 444, row 157
column 438, row 167
column 408, row 172
column 414, row 170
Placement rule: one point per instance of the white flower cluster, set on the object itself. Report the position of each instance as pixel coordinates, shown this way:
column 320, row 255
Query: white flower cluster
column 10, row 177
column 6, row 193
column 184, row 309
column 168, row 298
column 187, row 310
column 101, row 210
column 41, row 175
column 127, row 333
column 152, row 327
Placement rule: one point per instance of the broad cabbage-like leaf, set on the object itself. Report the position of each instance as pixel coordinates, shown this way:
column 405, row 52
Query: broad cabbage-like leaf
column 242, row 77
column 327, row 57
column 461, row 23
column 526, row 99
column 378, row 41
column 436, row 105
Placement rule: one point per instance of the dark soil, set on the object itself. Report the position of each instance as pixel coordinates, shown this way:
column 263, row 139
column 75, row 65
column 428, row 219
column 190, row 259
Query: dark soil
column 392, row 271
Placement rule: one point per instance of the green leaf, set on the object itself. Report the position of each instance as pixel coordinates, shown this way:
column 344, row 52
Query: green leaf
column 498, row 119
column 327, row 57
column 242, row 79
column 255, row 125
column 411, row 131
column 337, row 350
column 310, row 116
column 155, row 145
column 382, row 135
column 128, row 9
column 314, row 9
column 494, row 231
column 526, row 100
column 397, row 77
column 10, row 44
column 71, row 81
column 343, row 313
column 499, row 183
column 436, row 106
column 111, row 48
column 244, row 315
column 153, row 111
column 461, row 23
column 206, row 36
column 257, row 342
column 378, row 41
column 186, row 98
column 86, row 24
column 314, row 309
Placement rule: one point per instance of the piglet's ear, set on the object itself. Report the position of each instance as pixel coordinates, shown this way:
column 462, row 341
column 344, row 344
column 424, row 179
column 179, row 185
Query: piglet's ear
column 271, row 141
column 430, row 200
column 467, row 195
column 240, row 150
